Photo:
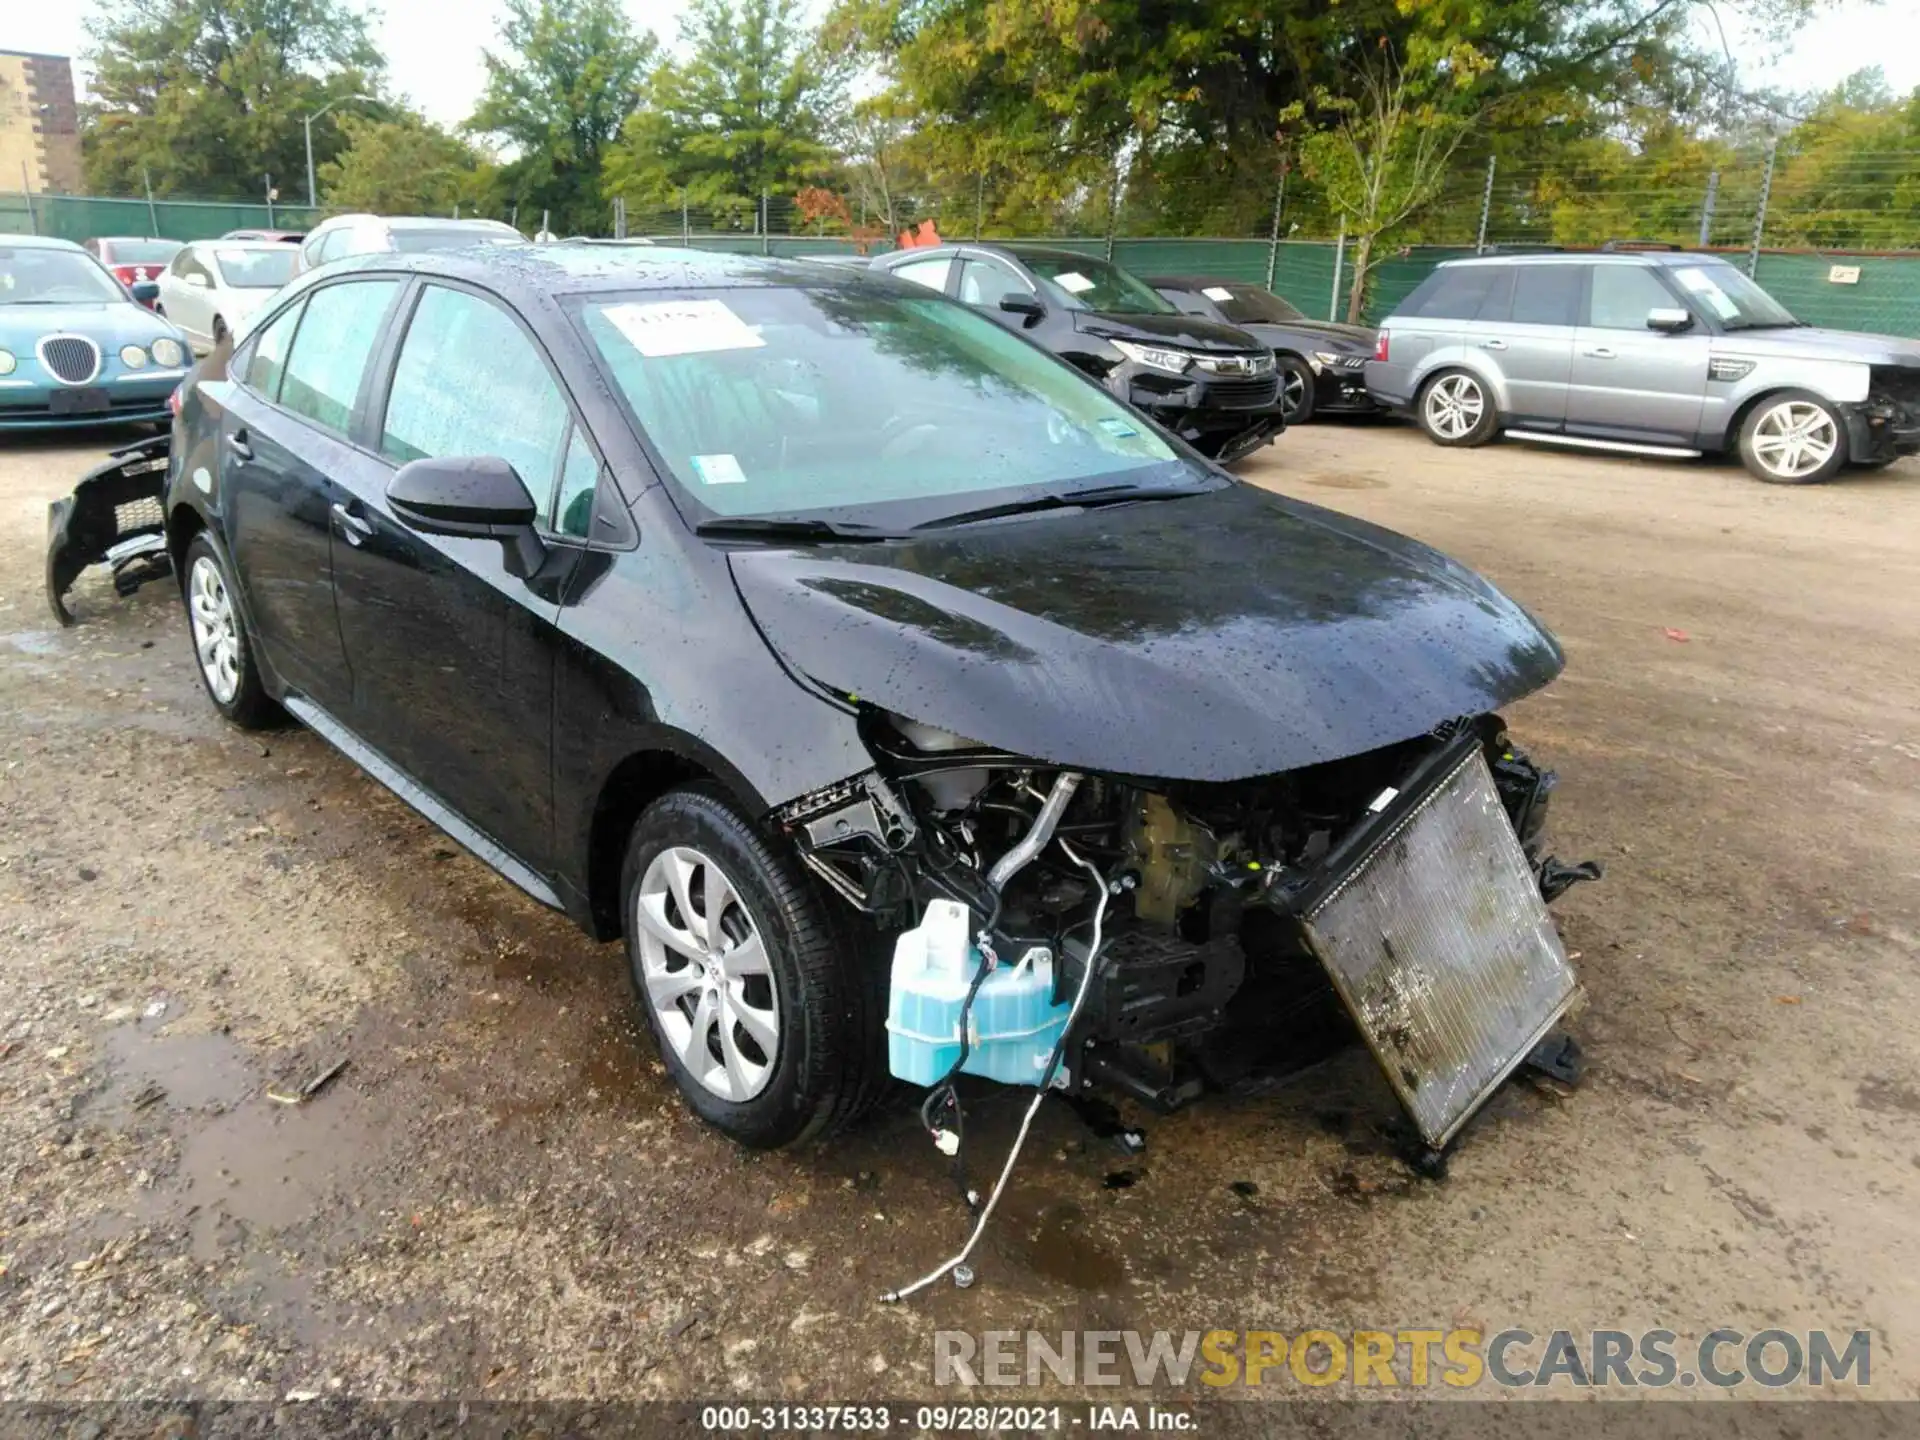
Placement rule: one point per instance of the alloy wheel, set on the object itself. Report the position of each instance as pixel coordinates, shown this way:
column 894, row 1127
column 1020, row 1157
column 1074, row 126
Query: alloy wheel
column 1293, row 390
column 216, row 630
column 706, row 973
column 1454, row 406
column 1795, row 438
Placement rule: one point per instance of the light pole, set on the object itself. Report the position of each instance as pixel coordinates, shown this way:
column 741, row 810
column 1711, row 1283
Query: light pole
column 313, row 197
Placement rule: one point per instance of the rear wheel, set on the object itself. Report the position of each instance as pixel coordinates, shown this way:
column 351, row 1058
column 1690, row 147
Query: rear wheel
column 1296, row 390
column 1455, row 409
column 1793, row 438
column 769, row 1021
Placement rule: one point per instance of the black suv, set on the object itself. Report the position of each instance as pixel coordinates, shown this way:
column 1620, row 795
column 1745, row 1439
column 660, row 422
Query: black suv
column 1212, row 384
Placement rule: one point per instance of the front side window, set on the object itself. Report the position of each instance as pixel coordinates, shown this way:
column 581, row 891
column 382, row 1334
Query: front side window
column 988, row 282
column 1622, row 295
column 470, row 382
column 330, row 352
column 263, row 366
column 573, row 506
column 254, row 269
column 771, row 401
column 1080, row 282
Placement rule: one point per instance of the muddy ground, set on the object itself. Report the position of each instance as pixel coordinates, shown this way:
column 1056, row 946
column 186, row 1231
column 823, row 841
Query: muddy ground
column 500, row 1196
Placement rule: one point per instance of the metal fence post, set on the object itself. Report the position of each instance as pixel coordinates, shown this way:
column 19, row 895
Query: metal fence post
column 153, row 218
column 1760, row 208
column 1273, row 240
column 26, row 190
column 1706, row 208
column 686, row 227
column 619, row 217
column 979, row 204
column 1486, row 209
column 1339, row 260
column 269, row 180
column 766, row 222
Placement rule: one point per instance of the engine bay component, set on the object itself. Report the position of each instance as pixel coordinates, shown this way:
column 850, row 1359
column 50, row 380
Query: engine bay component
column 1172, row 854
column 1435, row 933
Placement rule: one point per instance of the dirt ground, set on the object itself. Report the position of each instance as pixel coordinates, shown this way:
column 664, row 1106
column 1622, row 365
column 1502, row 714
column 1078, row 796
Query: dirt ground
column 500, row 1196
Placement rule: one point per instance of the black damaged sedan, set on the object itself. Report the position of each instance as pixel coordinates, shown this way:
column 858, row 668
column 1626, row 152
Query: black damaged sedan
column 754, row 612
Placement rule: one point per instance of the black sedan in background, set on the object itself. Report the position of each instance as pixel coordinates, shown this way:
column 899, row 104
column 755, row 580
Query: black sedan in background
column 1322, row 364
column 743, row 609
column 1212, row 384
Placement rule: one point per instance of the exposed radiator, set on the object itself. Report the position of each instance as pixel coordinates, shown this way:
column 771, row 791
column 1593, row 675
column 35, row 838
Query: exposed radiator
column 1441, row 946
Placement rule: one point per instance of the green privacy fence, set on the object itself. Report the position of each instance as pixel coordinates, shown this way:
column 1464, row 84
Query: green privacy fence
column 81, row 217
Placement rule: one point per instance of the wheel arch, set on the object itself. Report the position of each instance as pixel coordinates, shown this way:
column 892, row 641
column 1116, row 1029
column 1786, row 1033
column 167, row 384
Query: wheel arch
column 1738, row 419
column 1455, row 357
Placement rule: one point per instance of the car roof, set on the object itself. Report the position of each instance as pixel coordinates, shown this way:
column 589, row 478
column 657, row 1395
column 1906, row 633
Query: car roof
column 136, row 239
column 416, row 222
column 1200, row 282
column 527, row 270
column 1592, row 257
column 277, row 247
column 39, row 242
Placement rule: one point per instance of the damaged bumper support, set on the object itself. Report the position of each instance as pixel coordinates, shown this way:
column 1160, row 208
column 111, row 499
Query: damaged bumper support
column 113, row 517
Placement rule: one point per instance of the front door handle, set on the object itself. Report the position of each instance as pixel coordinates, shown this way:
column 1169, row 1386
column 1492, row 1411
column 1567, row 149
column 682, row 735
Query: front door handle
column 1493, row 344
column 1601, row 353
column 237, row 443
column 356, row 528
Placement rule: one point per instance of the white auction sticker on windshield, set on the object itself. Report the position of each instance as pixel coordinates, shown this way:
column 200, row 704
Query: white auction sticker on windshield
column 1072, row 281
column 682, row 327
column 718, row 470
column 1217, row 292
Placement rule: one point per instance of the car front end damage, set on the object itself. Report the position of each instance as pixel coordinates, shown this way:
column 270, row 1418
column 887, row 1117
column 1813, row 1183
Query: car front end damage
column 1246, row 925
column 113, row 517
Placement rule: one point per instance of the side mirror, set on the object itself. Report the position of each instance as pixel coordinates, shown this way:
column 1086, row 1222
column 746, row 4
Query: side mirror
column 1670, row 322
column 478, row 497
column 145, row 291
column 1016, row 302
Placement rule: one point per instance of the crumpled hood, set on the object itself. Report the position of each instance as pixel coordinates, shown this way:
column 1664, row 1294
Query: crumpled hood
column 1812, row 342
column 1233, row 634
column 1325, row 334
column 108, row 323
column 1193, row 332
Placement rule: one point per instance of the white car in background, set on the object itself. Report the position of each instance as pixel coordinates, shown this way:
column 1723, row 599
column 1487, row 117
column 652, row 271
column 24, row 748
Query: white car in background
column 212, row 285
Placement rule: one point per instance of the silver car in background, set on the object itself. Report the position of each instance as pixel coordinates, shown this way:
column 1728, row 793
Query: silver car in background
column 1658, row 353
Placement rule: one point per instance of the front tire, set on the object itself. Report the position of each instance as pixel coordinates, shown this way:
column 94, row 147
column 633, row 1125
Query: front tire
column 1456, row 410
column 1793, row 438
column 1296, row 390
column 769, row 1021
column 223, row 651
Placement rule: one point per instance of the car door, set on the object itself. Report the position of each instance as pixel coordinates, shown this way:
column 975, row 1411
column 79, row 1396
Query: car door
column 1525, row 326
column 287, row 460
column 452, row 656
column 1630, row 382
column 178, row 297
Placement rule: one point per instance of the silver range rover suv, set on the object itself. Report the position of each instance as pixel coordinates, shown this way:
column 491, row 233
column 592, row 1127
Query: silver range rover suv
column 1659, row 353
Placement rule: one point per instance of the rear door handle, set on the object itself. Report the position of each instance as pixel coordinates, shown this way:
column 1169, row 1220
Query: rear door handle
column 1601, row 353
column 357, row 529
column 237, row 443
column 1493, row 344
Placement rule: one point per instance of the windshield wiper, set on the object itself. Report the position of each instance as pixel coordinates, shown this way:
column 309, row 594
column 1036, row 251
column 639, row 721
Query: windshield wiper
column 788, row 527
column 1092, row 496
column 1768, row 325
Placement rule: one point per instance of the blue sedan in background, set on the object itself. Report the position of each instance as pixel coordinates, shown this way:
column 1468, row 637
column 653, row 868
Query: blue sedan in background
column 75, row 347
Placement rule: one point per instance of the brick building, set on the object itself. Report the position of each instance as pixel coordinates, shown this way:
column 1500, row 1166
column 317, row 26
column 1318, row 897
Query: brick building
column 39, row 124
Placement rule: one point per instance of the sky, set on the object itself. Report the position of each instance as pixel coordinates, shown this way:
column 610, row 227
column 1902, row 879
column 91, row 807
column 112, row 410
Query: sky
column 437, row 65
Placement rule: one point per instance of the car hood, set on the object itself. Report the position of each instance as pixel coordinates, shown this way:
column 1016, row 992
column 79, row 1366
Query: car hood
column 1232, row 634
column 1191, row 332
column 108, row 323
column 1812, row 342
column 1340, row 339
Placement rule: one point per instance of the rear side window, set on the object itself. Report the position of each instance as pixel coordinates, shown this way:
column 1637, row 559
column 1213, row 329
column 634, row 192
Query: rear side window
column 1453, row 292
column 1545, row 294
column 330, row 352
column 470, row 382
column 930, row 273
column 260, row 367
column 1623, row 294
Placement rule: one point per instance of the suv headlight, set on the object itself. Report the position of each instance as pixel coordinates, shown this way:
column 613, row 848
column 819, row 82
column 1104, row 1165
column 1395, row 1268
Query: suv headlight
column 1155, row 357
column 167, row 352
column 7, row 362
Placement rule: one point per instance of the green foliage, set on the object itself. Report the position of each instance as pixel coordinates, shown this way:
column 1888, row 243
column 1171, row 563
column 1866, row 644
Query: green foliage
column 207, row 96
column 567, row 75
column 403, row 166
column 744, row 113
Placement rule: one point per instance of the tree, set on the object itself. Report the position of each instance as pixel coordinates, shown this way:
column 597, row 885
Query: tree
column 1386, row 158
column 565, row 77
column 743, row 114
column 403, row 166
column 206, row 97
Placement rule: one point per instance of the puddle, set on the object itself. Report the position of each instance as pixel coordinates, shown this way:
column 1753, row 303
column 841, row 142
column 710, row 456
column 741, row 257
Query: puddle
column 181, row 1072
column 1058, row 1248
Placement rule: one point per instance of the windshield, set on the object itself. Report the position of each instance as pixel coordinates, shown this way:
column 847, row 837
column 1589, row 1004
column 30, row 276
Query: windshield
column 411, row 242
column 255, row 269
column 141, row 252
column 1731, row 298
column 786, row 401
column 30, row 275
column 1080, row 282
column 1250, row 305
